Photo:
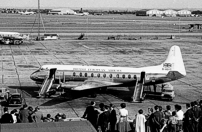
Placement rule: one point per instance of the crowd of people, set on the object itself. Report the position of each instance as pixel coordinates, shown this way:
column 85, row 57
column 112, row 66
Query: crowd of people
column 28, row 115
column 106, row 119
column 170, row 120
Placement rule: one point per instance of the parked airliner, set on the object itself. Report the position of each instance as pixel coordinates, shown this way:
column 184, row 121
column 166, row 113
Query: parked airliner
column 27, row 13
column 12, row 38
column 92, row 77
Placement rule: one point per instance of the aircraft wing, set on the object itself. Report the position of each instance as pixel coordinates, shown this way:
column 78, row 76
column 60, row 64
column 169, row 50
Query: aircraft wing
column 94, row 84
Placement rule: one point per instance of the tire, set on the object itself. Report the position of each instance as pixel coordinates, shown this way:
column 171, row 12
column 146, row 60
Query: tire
column 12, row 42
column 16, row 42
column 20, row 42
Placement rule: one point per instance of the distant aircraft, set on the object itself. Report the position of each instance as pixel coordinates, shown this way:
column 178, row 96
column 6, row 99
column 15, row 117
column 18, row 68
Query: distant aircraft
column 27, row 13
column 12, row 38
column 94, row 77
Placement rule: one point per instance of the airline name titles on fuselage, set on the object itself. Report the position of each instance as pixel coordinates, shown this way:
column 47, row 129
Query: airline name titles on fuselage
column 100, row 70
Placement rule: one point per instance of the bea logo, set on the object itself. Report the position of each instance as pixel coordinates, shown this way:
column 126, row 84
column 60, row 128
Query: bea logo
column 167, row 66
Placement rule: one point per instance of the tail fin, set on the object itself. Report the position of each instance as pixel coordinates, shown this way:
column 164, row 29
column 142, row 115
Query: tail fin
column 174, row 61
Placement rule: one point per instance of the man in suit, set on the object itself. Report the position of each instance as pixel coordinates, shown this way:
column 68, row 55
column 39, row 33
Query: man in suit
column 200, row 120
column 6, row 117
column 103, row 119
column 197, row 115
column 188, row 120
column 112, row 117
column 24, row 114
column 157, row 117
column 91, row 114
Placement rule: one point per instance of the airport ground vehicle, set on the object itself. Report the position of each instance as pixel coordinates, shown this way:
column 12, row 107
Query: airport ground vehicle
column 163, row 91
column 15, row 99
column 50, row 37
column 3, row 92
column 12, row 38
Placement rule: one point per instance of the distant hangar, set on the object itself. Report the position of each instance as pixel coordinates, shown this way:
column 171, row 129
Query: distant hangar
column 169, row 12
column 184, row 13
column 154, row 12
column 63, row 11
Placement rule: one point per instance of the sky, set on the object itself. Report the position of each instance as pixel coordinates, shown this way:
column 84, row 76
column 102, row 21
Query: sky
column 140, row 4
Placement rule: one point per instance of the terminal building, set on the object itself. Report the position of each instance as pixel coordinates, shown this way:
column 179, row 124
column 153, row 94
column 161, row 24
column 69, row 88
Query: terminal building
column 65, row 11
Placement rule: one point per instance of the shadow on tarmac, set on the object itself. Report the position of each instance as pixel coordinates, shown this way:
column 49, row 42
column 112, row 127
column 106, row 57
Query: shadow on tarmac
column 119, row 93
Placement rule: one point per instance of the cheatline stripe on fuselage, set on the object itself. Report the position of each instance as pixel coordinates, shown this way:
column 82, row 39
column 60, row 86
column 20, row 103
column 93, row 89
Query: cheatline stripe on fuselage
column 136, row 73
column 113, row 73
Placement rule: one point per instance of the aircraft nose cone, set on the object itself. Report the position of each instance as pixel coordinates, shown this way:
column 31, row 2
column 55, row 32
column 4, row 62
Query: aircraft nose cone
column 33, row 76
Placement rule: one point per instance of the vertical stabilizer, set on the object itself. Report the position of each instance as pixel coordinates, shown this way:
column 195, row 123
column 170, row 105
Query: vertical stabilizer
column 174, row 61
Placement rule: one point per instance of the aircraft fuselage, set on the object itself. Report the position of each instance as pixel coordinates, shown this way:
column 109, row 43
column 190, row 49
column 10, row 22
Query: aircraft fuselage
column 124, row 76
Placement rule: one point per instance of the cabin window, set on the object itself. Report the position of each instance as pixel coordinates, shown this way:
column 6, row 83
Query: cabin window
column 129, row 76
column 80, row 74
column 92, row 75
column 110, row 75
column 98, row 75
column 117, row 75
column 85, row 74
column 135, row 77
column 123, row 76
column 104, row 75
column 74, row 74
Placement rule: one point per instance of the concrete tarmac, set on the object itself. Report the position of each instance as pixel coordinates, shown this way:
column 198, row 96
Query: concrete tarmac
column 18, row 62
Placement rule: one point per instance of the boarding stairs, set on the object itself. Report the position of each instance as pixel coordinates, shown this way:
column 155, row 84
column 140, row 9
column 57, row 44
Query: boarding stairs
column 47, row 83
column 139, row 88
